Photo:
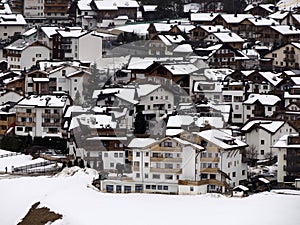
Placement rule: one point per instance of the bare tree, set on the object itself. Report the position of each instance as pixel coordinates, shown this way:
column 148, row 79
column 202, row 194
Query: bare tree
column 251, row 154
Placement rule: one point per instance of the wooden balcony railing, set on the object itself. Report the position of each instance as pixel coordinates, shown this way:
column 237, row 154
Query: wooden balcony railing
column 162, row 159
column 164, row 170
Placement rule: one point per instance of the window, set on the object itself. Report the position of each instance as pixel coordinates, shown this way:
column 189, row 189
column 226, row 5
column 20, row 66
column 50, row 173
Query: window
column 19, row 128
column 168, row 177
column 156, row 176
column 169, row 166
column 237, row 116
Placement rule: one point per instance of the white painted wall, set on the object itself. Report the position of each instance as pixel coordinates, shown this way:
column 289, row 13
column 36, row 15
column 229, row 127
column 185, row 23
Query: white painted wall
column 89, row 48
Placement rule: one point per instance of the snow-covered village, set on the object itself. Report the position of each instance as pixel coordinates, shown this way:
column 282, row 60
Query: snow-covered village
column 179, row 111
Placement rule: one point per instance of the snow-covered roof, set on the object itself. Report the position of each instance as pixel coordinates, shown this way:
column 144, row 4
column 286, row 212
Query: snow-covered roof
column 296, row 17
column 267, row 7
column 114, row 5
column 49, row 31
column 268, row 125
column 218, row 73
column 215, row 28
column 29, row 32
column 283, row 142
column 235, row 18
column 72, row 33
column 48, row 101
column 198, row 17
column 279, row 15
column 146, row 89
column 93, row 121
column 180, row 120
column 216, row 122
column 181, row 69
column 185, row 142
column 287, row 95
column 228, row 37
column 149, row 8
column 5, row 9
column 184, row 48
column 286, row 29
column 142, row 63
column 269, row 100
column 84, row 5
column 221, row 139
column 260, row 21
column 241, row 187
column 19, row 45
column 174, row 132
column 75, row 109
column 273, row 78
column 141, row 142
column 12, row 19
column 169, row 40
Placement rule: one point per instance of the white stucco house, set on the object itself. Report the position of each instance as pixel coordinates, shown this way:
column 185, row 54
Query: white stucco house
column 23, row 54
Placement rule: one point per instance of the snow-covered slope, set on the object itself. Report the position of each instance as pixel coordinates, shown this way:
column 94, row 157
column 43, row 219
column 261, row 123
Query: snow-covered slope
column 71, row 195
column 288, row 4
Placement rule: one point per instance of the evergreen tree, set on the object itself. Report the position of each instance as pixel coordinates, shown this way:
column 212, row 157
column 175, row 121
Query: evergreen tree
column 95, row 83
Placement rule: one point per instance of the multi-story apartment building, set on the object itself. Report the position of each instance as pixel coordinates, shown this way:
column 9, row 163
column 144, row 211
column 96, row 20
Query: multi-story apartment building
column 41, row 115
column 222, row 158
column 288, row 158
column 285, row 57
column 261, row 135
column 159, row 166
column 74, row 43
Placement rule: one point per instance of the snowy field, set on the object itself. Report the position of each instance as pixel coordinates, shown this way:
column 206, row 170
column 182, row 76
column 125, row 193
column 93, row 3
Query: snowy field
column 288, row 4
column 80, row 204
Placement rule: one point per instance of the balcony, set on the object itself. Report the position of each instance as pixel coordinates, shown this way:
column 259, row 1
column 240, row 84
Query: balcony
column 164, row 170
column 216, row 160
column 204, row 182
column 158, row 148
column 209, row 170
column 162, row 159
column 25, row 124
column 52, row 115
column 51, row 124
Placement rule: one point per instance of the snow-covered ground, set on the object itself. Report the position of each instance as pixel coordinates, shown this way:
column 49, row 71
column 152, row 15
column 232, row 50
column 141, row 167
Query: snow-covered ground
column 71, row 195
column 288, row 4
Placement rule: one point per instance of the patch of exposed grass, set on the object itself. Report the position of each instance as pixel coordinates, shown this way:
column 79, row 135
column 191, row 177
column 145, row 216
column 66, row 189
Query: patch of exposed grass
column 39, row 216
